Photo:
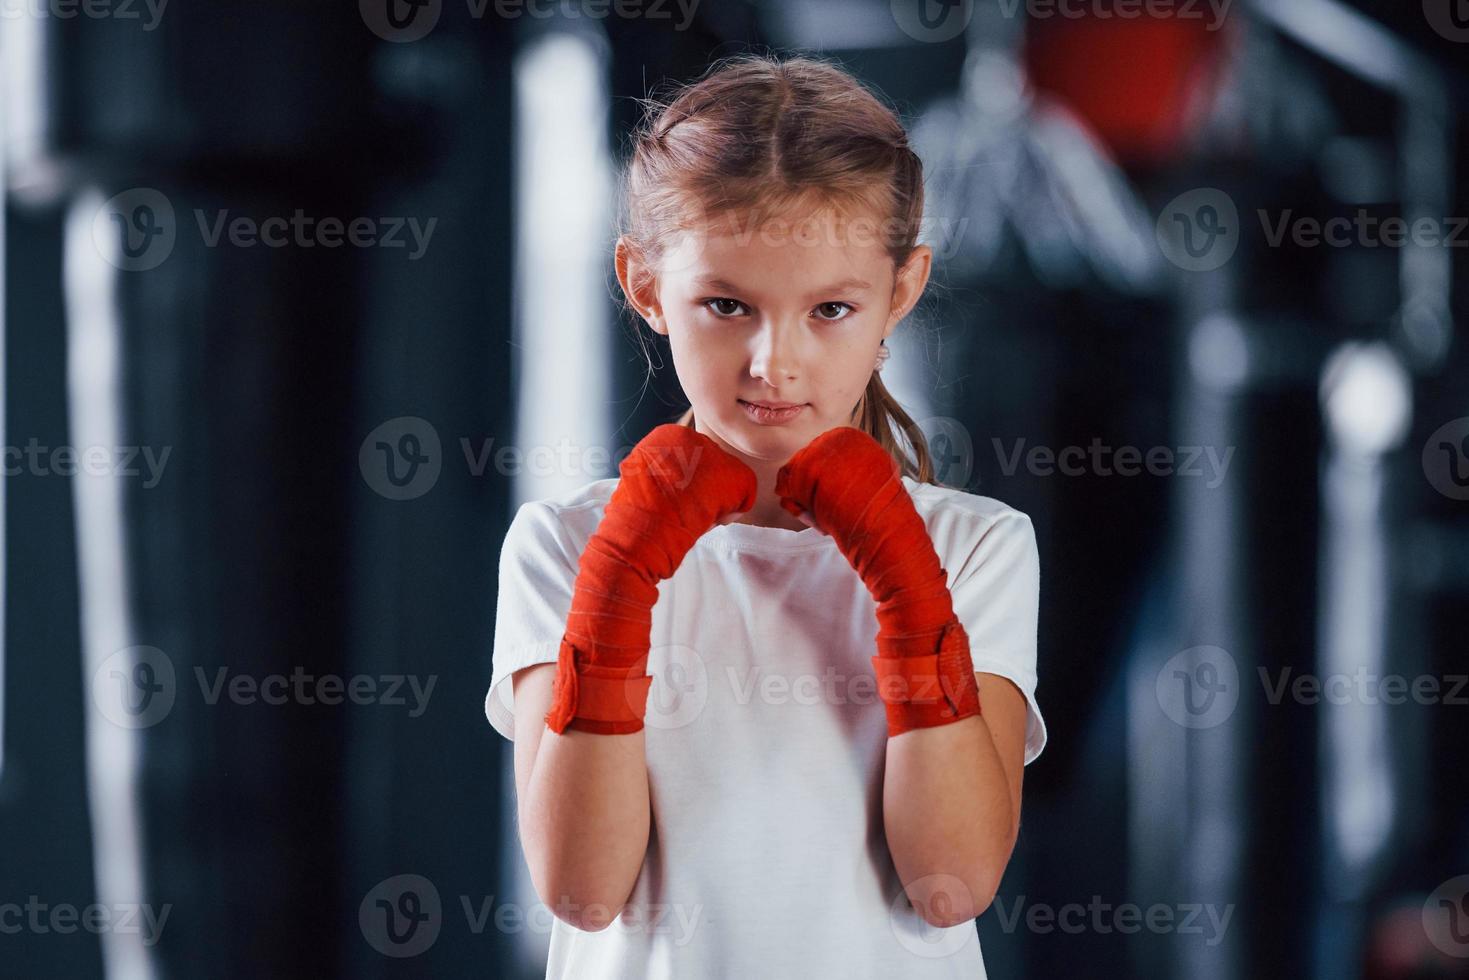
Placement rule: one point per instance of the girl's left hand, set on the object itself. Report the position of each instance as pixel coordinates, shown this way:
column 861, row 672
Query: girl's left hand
column 841, row 483
column 848, row 484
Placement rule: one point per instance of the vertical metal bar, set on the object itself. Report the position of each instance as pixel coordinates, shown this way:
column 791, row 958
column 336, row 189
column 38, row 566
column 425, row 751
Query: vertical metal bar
column 113, row 750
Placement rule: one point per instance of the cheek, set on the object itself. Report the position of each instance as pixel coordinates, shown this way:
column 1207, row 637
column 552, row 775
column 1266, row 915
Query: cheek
column 698, row 357
column 856, row 370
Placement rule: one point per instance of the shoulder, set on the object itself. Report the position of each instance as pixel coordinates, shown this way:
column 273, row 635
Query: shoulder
column 965, row 525
column 571, row 504
column 936, row 502
column 562, row 522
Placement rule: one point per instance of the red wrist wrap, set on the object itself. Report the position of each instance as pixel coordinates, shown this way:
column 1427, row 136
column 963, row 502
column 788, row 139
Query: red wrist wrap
column 851, row 487
column 675, row 484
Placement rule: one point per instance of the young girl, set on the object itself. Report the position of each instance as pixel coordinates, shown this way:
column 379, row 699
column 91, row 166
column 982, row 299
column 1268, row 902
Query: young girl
column 772, row 689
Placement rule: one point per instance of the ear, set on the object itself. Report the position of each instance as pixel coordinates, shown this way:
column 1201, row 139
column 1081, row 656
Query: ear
column 639, row 285
column 908, row 287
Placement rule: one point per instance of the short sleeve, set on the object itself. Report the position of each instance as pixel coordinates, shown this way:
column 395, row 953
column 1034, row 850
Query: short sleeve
column 996, row 596
column 537, row 573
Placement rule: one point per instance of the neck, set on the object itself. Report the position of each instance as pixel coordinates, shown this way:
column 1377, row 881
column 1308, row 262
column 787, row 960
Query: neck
column 767, row 511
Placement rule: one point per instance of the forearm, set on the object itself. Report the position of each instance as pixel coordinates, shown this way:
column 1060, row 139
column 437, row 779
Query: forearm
column 949, row 819
column 588, row 801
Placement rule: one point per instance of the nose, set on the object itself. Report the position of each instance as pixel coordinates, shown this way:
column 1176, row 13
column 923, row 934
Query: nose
column 776, row 358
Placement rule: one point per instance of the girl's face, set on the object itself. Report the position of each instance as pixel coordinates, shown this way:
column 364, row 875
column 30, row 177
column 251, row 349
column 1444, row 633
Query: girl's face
column 791, row 311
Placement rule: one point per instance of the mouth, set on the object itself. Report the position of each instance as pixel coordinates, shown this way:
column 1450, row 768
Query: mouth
column 772, row 413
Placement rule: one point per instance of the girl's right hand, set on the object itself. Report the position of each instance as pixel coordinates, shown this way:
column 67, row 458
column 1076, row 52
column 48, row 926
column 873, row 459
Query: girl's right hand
column 684, row 476
column 676, row 483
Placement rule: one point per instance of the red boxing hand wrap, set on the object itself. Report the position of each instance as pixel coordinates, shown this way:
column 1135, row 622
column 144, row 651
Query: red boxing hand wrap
column 852, row 489
column 675, row 484
column 923, row 691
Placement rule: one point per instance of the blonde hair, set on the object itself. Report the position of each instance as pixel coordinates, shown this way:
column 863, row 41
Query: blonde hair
column 759, row 134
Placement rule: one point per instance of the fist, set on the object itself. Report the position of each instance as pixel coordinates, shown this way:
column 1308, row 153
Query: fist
column 682, row 474
column 837, row 479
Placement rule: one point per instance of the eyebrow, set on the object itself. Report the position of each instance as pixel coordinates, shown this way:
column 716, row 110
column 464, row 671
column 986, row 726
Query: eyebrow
column 850, row 283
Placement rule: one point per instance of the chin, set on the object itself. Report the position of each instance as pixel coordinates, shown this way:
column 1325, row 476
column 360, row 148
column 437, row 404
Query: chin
column 763, row 440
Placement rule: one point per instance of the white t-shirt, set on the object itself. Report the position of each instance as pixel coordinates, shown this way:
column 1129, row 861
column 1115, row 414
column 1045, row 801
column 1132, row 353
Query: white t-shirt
column 765, row 740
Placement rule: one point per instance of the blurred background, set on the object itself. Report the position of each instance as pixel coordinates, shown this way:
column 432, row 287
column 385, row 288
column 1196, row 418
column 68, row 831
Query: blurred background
column 302, row 300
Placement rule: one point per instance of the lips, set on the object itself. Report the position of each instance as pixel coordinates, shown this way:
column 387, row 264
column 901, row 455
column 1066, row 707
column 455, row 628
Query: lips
column 761, row 414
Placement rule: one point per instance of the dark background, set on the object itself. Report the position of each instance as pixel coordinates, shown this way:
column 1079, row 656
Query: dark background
column 1075, row 146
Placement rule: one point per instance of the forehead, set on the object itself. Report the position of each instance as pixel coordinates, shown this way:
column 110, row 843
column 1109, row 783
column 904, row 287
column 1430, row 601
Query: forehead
column 784, row 251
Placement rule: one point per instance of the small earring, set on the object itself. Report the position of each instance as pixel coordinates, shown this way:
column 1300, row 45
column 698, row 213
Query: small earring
column 882, row 355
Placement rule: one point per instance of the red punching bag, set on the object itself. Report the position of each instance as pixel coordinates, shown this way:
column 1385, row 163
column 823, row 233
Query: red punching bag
column 1140, row 80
